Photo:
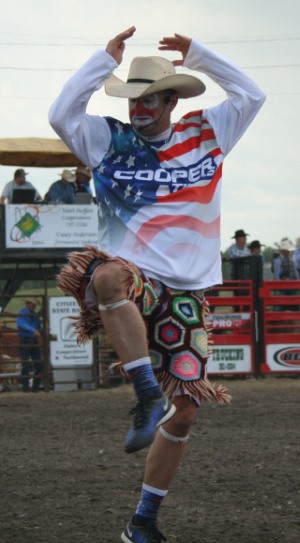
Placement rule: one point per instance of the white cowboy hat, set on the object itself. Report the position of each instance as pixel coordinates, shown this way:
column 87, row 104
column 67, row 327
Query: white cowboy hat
column 85, row 171
column 285, row 245
column 153, row 74
column 68, row 176
column 30, row 300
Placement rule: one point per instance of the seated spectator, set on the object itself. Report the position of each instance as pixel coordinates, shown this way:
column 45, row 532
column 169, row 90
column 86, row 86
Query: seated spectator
column 62, row 191
column 18, row 182
column 255, row 247
column 83, row 177
column 284, row 266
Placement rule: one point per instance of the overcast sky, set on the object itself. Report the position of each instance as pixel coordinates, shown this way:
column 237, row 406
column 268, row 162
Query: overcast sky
column 43, row 42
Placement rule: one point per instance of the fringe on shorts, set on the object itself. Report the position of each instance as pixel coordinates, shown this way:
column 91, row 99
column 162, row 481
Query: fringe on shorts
column 73, row 280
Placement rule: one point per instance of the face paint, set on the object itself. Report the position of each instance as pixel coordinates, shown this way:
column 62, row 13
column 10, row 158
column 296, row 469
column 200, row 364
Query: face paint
column 142, row 110
column 151, row 101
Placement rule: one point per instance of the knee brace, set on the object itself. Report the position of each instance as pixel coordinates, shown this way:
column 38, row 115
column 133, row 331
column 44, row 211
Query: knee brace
column 170, row 437
column 114, row 305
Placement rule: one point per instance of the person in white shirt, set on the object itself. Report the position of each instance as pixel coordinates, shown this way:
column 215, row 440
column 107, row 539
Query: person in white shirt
column 239, row 248
column 158, row 187
column 19, row 182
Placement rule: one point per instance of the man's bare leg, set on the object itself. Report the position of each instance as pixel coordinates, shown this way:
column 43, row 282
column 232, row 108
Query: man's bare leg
column 127, row 333
column 163, row 461
column 124, row 325
column 165, row 456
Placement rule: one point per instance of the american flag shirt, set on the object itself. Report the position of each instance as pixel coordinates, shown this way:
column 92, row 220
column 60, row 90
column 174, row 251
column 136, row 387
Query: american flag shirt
column 159, row 206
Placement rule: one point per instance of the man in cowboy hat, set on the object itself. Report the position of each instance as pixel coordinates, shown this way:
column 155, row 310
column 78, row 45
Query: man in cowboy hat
column 158, row 186
column 235, row 253
column 62, row 191
column 238, row 248
column 284, row 265
column 83, row 176
column 255, row 247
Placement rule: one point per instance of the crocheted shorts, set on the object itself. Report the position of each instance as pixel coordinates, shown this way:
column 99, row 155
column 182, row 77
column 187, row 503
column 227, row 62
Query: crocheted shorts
column 175, row 321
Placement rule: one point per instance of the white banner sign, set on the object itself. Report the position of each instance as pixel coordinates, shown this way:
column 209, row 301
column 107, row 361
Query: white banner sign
column 230, row 359
column 228, row 320
column 64, row 351
column 283, row 357
column 50, row 226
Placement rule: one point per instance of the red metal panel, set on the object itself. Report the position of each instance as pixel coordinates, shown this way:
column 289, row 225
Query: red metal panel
column 232, row 321
column 281, row 323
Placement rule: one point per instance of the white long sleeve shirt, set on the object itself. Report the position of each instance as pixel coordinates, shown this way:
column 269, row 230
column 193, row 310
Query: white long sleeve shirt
column 160, row 208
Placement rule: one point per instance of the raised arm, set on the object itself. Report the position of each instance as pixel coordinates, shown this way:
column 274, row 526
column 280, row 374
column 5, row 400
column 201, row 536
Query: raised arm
column 176, row 43
column 88, row 136
column 230, row 118
column 116, row 47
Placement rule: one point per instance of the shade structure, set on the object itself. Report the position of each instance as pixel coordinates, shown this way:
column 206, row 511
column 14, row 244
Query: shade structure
column 36, row 152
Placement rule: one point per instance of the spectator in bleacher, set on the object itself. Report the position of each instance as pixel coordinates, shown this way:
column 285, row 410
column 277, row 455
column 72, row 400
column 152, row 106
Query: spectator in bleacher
column 29, row 330
column 62, row 191
column 19, row 182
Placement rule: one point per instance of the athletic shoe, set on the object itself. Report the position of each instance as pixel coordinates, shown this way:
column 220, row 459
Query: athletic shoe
column 146, row 533
column 149, row 415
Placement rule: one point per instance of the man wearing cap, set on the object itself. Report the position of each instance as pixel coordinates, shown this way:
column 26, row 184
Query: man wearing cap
column 19, row 182
column 62, row 191
column 158, row 187
column 29, row 330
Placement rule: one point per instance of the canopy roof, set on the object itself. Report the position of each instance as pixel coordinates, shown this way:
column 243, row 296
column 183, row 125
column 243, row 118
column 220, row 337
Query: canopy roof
column 38, row 152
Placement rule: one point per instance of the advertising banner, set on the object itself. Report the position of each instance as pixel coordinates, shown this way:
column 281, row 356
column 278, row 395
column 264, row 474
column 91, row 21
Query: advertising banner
column 64, row 351
column 230, row 359
column 283, row 357
column 231, row 321
column 50, row 226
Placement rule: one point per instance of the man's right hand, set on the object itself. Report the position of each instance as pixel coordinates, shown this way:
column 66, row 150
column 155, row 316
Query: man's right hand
column 115, row 47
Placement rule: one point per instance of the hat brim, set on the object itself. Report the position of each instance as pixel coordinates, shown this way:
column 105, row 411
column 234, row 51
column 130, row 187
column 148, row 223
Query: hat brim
column 83, row 172
column 186, row 86
column 286, row 248
column 71, row 179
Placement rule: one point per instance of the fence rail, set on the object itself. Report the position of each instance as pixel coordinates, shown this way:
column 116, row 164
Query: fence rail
column 255, row 326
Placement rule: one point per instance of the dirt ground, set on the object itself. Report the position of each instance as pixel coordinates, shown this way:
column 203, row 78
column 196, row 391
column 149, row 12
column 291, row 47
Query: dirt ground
column 65, row 477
